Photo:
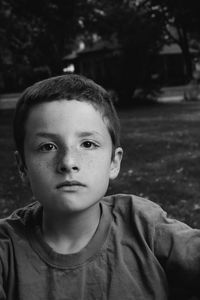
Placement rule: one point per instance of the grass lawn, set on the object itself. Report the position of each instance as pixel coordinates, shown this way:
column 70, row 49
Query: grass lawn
column 161, row 160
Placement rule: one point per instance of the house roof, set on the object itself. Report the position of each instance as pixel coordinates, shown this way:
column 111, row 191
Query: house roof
column 96, row 47
column 114, row 45
column 171, row 49
column 174, row 49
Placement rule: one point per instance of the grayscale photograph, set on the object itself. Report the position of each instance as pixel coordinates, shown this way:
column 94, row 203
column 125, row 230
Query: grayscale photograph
column 100, row 150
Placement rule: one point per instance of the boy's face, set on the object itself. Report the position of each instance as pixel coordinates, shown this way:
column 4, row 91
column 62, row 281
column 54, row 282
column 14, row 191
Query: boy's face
column 68, row 153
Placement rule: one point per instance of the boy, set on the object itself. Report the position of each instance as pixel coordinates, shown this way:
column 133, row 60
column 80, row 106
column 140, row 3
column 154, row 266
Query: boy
column 74, row 243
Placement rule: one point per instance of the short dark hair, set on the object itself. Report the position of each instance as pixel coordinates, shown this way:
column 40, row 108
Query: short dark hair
column 65, row 87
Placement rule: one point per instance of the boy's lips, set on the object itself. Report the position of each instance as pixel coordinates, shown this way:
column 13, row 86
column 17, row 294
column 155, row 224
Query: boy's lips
column 70, row 183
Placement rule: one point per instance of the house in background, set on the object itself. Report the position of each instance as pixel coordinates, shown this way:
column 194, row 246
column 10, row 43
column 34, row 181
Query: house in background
column 102, row 61
column 170, row 66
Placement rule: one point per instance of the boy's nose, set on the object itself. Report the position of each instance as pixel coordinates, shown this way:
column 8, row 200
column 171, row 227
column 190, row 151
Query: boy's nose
column 67, row 162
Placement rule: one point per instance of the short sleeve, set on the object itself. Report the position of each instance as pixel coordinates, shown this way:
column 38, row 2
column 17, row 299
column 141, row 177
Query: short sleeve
column 2, row 292
column 177, row 247
column 6, row 264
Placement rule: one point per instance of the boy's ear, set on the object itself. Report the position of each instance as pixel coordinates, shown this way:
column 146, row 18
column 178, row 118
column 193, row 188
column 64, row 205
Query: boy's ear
column 21, row 168
column 116, row 163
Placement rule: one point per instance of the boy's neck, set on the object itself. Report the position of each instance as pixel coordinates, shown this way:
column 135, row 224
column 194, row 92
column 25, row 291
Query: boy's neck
column 69, row 234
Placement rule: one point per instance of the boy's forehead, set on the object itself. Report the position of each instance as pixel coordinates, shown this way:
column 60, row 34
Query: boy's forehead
column 79, row 103
column 80, row 114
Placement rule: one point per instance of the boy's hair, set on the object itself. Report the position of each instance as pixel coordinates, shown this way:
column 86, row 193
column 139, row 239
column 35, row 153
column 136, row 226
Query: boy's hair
column 65, row 87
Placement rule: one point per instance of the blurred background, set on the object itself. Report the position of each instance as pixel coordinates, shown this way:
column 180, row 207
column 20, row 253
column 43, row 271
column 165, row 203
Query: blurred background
column 146, row 54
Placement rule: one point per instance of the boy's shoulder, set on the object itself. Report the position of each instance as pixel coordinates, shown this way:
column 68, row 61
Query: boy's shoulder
column 135, row 211
column 127, row 203
column 133, row 214
column 18, row 220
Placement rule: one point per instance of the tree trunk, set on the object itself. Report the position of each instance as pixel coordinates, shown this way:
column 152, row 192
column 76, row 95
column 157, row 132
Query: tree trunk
column 186, row 51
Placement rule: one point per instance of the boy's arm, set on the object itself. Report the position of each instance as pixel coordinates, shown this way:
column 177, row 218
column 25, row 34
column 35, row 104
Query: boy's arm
column 177, row 247
column 7, row 281
column 2, row 292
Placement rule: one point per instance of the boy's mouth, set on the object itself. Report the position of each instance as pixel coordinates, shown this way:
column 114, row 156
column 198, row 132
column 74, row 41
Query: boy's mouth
column 70, row 183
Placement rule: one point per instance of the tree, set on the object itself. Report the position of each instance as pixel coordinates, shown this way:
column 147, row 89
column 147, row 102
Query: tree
column 142, row 27
column 184, row 16
column 38, row 33
column 139, row 34
column 14, row 37
column 56, row 24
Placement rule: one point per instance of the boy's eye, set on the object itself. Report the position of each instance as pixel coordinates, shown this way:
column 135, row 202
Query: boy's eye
column 89, row 145
column 47, row 147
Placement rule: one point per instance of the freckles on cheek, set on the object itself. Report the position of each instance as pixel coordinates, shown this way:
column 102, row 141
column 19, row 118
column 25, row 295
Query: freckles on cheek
column 89, row 163
column 96, row 164
column 37, row 167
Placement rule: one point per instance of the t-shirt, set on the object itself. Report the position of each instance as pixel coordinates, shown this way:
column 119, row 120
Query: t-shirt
column 135, row 253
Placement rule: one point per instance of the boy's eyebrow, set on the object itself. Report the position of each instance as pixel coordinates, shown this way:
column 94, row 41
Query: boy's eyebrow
column 46, row 134
column 89, row 133
column 80, row 134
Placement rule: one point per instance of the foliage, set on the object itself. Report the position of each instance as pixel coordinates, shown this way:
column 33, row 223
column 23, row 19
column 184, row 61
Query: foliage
column 184, row 16
column 142, row 27
column 38, row 33
column 139, row 35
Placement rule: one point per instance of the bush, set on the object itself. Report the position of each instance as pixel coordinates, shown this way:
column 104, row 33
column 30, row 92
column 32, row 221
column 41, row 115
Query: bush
column 192, row 91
